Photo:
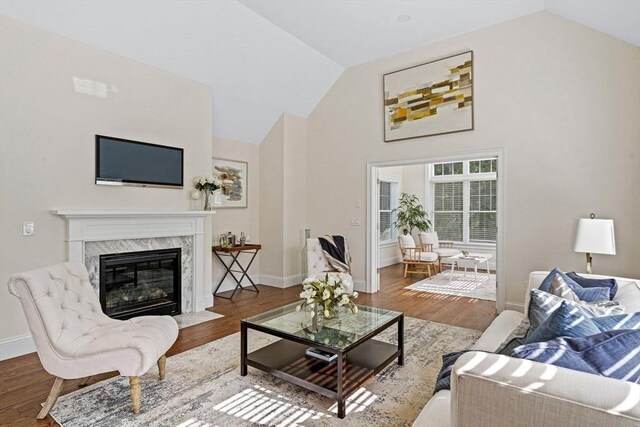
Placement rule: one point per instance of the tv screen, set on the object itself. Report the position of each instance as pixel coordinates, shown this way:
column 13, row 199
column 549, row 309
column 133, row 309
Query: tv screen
column 125, row 162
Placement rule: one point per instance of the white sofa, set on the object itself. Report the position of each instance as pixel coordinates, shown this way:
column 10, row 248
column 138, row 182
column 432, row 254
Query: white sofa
column 501, row 391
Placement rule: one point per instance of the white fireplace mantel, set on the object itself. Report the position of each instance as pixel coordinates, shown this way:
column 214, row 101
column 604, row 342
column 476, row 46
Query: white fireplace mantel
column 100, row 225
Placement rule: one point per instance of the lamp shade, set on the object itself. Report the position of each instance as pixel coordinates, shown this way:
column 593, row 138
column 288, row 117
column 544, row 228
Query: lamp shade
column 595, row 236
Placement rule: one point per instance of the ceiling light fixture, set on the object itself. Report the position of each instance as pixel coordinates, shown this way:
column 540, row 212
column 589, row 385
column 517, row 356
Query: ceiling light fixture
column 403, row 19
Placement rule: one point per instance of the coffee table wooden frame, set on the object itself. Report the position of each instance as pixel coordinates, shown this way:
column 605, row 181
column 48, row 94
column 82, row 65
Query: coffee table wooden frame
column 355, row 364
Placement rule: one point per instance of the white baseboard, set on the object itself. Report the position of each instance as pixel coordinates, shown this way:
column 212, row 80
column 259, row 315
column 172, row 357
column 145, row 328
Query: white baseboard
column 204, row 302
column 279, row 281
column 14, row 347
column 360, row 285
column 515, row 306
column 390, row 261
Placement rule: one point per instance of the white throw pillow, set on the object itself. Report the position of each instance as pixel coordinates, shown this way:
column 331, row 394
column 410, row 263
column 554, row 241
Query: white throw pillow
column 406, row 241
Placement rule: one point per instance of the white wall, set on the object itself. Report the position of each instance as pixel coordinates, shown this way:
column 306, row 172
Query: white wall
column 238, row 220
column 47, row 132
column 561, row 99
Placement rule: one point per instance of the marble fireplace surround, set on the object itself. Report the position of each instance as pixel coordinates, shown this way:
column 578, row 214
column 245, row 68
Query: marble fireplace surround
column 93, row 233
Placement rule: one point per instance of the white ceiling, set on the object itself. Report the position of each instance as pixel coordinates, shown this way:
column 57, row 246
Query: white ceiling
column 276, row 56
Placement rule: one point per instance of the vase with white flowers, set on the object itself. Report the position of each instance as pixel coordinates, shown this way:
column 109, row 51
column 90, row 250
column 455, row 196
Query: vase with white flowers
column 326, row 296
column 206, row 184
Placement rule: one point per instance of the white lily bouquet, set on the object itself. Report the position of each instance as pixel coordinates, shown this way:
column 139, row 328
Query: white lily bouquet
column 206, row 184
column 326, row 296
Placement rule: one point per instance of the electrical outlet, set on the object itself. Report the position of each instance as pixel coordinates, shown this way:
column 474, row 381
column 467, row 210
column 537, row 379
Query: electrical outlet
column 355, row 220
column 28, row 228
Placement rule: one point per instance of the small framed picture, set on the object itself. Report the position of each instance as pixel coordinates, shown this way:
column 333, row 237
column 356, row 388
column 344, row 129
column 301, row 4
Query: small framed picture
column 234, row 180
column 429, row 99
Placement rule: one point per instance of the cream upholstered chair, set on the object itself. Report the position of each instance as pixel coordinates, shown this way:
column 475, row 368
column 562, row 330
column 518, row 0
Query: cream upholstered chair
column 418, row 257
column 318, row 266
column 444, row 249
column 75, row 339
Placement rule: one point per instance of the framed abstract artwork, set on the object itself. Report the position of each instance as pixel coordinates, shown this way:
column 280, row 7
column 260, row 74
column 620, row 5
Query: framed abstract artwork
column 429, row 99
column 233, row 177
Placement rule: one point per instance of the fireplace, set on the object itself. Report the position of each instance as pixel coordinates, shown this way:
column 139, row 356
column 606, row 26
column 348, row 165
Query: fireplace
column 141, row 283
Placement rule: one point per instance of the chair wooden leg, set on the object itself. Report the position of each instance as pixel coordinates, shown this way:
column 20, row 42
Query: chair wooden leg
column 51, row 400
column 162, row 366
column 84, row 381
column 134, row 384
column 406, row 267
column 429, row 270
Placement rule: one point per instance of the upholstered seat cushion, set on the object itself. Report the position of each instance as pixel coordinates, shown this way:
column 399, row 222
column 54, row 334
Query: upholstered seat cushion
column 446, row 252
column 422, row 256
column 74, row 337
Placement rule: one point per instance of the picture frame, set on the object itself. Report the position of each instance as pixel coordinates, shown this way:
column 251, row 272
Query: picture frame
column 433, row 98
column 234, row 178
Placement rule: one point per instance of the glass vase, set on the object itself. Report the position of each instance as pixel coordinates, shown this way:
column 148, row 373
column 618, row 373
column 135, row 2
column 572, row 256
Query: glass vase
column 207, row 201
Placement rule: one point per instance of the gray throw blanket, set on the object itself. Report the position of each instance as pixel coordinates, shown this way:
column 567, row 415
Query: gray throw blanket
column 337, row 253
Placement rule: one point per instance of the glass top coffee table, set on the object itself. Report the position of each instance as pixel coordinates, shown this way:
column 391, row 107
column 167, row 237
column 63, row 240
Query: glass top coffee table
column 358, row 357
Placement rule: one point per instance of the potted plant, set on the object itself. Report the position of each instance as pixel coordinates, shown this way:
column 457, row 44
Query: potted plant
column 410, row 214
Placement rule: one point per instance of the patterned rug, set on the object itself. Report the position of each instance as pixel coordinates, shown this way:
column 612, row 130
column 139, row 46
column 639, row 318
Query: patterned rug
column 460, row 284
column 203, row 388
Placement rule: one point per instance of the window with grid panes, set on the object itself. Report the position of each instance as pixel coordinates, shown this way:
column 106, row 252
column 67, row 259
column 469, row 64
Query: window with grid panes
column 482, row 211
column 387, row 203
column 464, row 200
column 448, row 210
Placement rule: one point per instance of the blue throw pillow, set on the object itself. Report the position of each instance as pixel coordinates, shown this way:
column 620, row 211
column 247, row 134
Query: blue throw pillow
column 585, row 282
column 566, row 321
column 617, row 321
column 544, row 304
column 613, row 354
column 585, row 294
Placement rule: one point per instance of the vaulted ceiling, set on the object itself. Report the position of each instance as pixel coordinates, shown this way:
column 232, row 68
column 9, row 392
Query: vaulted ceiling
column 265, row 57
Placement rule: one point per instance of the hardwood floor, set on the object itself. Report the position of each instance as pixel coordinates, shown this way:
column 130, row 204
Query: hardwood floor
column 24, row 384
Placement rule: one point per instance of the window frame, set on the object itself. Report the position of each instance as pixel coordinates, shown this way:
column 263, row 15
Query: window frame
column 466, row 177
column 395, row 196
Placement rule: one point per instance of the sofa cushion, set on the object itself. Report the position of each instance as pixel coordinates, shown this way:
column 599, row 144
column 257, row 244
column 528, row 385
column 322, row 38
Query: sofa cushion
column 586, row 282
column 585, row 294
column 566, row 321
column 498, row 331
column 543, row 305
column 613, row 354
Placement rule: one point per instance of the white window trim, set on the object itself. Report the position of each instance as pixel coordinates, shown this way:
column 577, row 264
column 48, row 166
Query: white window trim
column 466, row 177
column 395, row 195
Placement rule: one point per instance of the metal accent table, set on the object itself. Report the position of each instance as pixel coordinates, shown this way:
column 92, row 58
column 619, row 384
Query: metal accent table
column 234, row 252
column 349, row 336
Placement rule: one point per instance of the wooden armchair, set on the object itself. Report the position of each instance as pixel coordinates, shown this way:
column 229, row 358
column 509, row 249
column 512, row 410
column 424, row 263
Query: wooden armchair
column 444, row 249
column 417, row 258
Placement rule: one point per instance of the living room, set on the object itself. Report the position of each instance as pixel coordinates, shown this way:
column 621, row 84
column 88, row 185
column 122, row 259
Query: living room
column 295, row 92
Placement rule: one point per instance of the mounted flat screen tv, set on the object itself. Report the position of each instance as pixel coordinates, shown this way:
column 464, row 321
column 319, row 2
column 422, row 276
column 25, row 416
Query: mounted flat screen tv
column 124, row 162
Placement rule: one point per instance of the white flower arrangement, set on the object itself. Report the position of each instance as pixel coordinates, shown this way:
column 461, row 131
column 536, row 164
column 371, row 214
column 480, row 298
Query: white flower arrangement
column 326, row 295
column 206, row 183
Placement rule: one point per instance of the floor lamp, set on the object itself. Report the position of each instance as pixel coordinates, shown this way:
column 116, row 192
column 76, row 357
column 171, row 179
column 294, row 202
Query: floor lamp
column 594, row 236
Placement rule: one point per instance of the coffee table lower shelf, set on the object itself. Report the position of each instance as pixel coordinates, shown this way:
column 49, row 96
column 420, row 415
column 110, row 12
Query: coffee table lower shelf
column 287, row 360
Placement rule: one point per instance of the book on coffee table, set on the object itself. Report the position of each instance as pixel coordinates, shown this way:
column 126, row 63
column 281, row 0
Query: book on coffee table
column 321, row 354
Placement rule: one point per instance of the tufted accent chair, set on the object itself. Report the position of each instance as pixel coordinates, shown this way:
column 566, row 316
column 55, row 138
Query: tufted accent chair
column 318, row 266
column 75, row 339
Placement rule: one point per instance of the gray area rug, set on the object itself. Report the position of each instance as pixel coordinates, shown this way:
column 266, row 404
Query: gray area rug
column 459, row 284
column 190, row 319
column 203, row 388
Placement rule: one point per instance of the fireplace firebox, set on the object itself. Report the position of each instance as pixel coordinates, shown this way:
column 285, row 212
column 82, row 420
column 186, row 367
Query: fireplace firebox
column 141, row 283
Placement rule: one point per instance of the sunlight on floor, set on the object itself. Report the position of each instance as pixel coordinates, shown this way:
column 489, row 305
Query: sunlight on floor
column 260, row 406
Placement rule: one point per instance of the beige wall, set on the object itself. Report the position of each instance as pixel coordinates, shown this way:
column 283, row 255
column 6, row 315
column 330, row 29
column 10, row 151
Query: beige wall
column 238, row 220
column 271, row 222
column 283, row 201
column 295, row 196
column 47, row 134
column 563, row 100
